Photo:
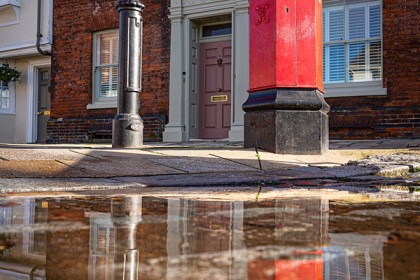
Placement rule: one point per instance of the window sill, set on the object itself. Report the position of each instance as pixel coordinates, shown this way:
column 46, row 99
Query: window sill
column 374, row 88
column 102, row 105
column 11, row 113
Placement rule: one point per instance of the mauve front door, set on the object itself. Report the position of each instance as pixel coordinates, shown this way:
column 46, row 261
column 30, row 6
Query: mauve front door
column 215, row 89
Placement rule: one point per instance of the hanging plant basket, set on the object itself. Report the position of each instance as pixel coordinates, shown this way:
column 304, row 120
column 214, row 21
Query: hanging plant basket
column 8, row 74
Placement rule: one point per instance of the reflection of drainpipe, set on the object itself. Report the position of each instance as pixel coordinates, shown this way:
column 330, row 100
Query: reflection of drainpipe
column 38, row 33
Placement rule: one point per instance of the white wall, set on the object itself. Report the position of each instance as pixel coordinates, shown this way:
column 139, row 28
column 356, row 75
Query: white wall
column 22, row 35
column 21, row 101
column 18, row 48
column 7, row 128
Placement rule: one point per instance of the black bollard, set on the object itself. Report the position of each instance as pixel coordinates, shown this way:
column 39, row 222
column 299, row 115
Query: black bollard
column 127, row 126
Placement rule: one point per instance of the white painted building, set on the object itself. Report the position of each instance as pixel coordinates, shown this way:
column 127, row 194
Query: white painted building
column 24, row 106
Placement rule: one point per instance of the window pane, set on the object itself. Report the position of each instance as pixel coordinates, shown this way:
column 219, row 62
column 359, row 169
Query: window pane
column 336, row 63
column 217, row 30
column 357, row 62
column 375, row 60
column 336, row 25
column 324, row 25
column 114, row 80
column 5, row 103
column 105, row 49
column 5, row 93
column 4, row 96
column 357, row 23
column 114, row 53
column 108, row 49
column 375, row 21
column 108, row 81
column 324, row 62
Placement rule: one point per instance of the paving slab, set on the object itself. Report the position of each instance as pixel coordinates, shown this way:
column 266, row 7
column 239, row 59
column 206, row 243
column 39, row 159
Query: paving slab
column 120, row 167
column 271, row 161
column 231, row 178
column 38, row 169
column 191, row 161
column 61, row 185
column 38, row 154
column 115, row 153
column 200, row 165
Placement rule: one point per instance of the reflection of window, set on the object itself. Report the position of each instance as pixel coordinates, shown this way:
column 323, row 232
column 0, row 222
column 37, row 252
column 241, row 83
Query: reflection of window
column 6, row 214
column 102, row 246
column 35, row 242
column 7, row 98
column 352, row 49
column 105, row 66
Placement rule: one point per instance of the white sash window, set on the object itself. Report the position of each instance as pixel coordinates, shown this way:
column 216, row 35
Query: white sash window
column 7, row 98
column 105, row 69
column 352, row 49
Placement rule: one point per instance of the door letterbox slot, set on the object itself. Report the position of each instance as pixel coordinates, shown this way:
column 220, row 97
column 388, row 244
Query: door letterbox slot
column 219, row 98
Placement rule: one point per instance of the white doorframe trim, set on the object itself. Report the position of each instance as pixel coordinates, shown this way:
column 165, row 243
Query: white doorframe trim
column 182, row 14
column 31, row 116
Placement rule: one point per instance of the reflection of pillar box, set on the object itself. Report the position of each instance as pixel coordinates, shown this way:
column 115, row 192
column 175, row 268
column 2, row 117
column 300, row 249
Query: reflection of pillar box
column 286, row 111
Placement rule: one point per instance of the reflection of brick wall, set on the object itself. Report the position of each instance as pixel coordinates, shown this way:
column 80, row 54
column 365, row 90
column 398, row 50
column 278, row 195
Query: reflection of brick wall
column 152, row 237
column 68, row 249
column 71, row 85
column 303, row 221
column 209, row 217
column 398, row 113
column 288, row 222
column 401, row 259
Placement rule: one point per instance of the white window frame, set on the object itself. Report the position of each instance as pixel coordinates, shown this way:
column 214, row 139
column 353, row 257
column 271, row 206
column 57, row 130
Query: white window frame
column 12, row 96
column 362, row 88
column 100, row 102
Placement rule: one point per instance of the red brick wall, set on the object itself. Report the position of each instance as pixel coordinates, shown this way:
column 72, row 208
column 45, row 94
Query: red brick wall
column 71, row 89
column 397, row 114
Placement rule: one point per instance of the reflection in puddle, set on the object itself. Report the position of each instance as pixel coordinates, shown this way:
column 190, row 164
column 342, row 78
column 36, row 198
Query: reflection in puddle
column 138, row 237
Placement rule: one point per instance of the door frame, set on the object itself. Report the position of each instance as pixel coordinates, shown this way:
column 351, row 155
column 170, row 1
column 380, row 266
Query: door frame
column 32, row 100
column 191, row 21
column 184, row 15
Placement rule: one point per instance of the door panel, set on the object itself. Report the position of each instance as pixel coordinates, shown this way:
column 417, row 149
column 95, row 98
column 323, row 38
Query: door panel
column 211, row 53
column 210, row 116
column 227, row 83
column 193, row 84
column 44, row 104
column 215, row 90
column 210, row 78
column 226, row 115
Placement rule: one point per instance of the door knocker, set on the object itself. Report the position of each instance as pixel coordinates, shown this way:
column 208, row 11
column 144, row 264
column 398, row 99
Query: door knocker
column 220, row 62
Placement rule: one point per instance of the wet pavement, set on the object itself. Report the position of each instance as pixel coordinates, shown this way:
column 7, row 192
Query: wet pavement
column 213, row 234
column 36, row 167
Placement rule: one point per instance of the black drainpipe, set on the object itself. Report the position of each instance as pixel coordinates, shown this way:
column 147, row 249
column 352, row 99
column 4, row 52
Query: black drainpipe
column 38, row 33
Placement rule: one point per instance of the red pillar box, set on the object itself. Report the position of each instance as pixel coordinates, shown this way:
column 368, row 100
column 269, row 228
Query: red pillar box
column 285, row 110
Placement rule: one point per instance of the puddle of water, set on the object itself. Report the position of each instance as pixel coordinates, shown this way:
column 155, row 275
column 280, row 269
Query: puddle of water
column 137, row 237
